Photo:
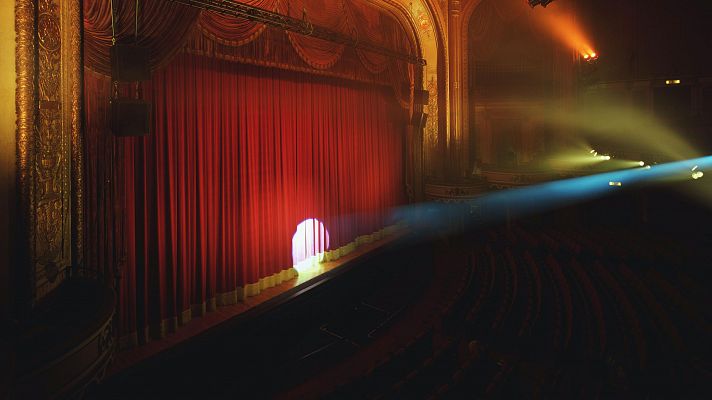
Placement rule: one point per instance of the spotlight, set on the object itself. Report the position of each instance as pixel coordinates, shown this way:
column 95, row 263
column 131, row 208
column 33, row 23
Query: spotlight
column 615, row 183
column 543, row 3
column 606, row 158
column 641, row 163
column 696, row 173
column 647, row 167
column 590, row 58
column 672, row 82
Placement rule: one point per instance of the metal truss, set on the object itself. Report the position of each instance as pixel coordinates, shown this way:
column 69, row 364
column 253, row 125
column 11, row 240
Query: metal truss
column 300, row 26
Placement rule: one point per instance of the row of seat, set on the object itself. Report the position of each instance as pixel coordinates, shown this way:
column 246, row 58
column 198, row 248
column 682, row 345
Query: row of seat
column 543, row 311
column 590, row 307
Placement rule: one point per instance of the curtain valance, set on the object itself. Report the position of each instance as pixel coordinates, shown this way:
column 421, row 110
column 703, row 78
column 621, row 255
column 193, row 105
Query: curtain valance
column 167, row 28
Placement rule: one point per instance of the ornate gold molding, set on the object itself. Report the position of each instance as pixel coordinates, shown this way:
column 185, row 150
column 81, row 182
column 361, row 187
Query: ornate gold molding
column 25, row 108
column 455, row 140
column 72, row 119
column 48, row 99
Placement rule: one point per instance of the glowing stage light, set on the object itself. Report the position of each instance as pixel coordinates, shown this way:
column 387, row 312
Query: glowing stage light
column 696, row 173
column 672, row 82
column 309, row 243
column 612, row 183
column 647, row 167
column 592, row 151
column 590, row 58
column 605, row 158
column 641, row 163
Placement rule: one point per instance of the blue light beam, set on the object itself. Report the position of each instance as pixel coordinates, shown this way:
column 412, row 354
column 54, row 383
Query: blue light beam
column 545, row 196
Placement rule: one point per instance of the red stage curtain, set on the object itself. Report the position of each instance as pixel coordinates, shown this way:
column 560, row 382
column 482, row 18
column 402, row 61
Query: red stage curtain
column 373, row 29
column 239, row 157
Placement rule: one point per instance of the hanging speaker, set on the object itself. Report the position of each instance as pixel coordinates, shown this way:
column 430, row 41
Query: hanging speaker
column 130, row 117
column 129, row 63
column 419, row 119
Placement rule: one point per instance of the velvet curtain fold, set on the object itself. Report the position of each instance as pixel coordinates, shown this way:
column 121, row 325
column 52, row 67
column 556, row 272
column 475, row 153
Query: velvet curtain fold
column 319, row 54
column 167, row 28
column 373, row 29
column 207, row 207
column 233, row 31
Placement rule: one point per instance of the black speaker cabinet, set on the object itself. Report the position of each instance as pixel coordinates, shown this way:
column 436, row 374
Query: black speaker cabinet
column 419, row 119
column 129, row 63
column 130, row 117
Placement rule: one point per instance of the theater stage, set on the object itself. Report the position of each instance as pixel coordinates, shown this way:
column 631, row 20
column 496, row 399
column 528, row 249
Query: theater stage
column 264, row 302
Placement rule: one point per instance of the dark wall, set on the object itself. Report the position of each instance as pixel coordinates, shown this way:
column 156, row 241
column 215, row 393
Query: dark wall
column 643, row 39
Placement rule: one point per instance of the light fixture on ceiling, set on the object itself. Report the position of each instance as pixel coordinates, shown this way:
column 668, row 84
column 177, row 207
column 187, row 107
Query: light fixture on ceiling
column 543, row 3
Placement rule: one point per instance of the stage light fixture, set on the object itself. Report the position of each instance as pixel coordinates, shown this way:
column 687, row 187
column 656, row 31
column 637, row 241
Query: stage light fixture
column 590, row 57
column 672, row 82
column 615, row 183
column 696, row 173
column 641, row 163
column 543, row 3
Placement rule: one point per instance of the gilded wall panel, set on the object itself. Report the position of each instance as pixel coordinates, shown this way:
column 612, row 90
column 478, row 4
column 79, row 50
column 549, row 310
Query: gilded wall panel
column 47, row 101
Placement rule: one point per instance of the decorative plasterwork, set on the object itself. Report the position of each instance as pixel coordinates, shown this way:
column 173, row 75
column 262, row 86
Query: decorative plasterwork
column 48, row 132
column 456, row 142
column 431, row 80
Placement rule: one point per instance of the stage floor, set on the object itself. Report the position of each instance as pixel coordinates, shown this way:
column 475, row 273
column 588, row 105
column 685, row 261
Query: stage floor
column 127, row 358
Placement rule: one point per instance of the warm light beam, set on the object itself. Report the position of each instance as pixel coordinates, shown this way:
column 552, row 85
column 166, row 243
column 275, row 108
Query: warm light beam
column 563, row 27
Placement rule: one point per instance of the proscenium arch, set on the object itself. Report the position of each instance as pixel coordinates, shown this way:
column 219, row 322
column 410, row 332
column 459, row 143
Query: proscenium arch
column 441, row 41
column 397, row 8
column 401, row 15
column 438, row 62
column 413, row 149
